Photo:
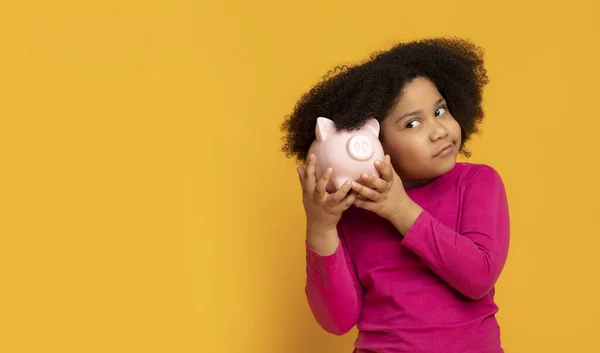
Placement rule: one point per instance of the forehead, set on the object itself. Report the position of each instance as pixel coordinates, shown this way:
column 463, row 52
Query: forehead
column 417, row 92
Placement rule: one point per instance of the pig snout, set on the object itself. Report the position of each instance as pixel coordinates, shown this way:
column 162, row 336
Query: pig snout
column 360, row 148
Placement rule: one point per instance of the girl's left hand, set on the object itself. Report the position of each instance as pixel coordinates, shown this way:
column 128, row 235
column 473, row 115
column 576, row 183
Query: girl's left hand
column 385, row 195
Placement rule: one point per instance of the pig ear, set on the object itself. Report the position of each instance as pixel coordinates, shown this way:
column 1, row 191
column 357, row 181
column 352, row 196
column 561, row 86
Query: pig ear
column 325, row 128
column 373, row 124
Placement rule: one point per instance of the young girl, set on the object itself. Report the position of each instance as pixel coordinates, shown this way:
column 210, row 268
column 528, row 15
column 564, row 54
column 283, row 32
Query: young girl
column 410, row 257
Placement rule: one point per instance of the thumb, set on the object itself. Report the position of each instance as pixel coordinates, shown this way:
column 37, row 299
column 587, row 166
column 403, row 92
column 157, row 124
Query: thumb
column 301, row 174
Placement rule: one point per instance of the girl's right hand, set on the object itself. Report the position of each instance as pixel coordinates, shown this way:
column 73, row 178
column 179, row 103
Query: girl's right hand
column 323, row 210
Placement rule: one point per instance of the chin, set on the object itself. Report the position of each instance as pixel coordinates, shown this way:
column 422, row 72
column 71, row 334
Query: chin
column 448, row 164
column 429, row 173
column 424, row 172
column 442, row 167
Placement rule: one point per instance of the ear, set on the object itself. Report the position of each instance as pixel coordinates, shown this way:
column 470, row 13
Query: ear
column 325, row 127
column 373, row 124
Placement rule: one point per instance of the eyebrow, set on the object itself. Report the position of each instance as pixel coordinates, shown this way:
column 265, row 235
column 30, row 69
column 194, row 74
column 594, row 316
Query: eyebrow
column 438, row 102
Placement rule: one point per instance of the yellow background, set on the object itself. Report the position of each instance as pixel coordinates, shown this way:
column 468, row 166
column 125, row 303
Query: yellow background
column 145, row 206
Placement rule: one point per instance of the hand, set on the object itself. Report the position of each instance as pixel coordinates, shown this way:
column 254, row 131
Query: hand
column 323, row 210
column 385, row 195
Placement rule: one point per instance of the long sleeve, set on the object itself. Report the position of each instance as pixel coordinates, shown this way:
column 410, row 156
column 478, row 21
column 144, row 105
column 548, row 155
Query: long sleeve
column 333, row 291
column 471, row 259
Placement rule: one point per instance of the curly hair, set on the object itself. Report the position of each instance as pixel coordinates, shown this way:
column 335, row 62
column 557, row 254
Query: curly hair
column 349, row 95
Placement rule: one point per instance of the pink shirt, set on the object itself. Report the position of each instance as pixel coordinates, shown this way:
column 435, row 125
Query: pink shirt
column 430, row 291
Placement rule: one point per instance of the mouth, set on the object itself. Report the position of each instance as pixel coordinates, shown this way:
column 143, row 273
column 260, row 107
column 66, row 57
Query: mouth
column 444, row 151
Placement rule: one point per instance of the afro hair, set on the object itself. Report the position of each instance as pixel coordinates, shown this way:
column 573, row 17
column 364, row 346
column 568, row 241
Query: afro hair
column 350, row 95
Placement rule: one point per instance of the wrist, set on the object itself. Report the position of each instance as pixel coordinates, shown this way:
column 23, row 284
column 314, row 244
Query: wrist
column 322, row 239
column 406, row 216
column 319, row 227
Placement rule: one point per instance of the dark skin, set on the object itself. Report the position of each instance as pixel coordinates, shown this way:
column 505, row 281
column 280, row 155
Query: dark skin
column 384, row 195
column 427, row 98
column 323, row 210
column 422, row 134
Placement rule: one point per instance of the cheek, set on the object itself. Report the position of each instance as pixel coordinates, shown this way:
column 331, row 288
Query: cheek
column 454, row 129
column 406, row 150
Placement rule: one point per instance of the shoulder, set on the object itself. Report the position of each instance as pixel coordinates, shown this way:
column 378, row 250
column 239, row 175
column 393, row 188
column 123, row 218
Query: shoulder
column 473, row 171
column 476, row 175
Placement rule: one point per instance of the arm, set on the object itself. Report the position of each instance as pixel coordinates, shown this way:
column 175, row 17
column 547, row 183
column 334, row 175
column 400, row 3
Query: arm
column 332, row 288
column 471, row 259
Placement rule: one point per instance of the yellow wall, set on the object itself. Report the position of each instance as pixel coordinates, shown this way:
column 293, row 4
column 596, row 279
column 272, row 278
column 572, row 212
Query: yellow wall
column 145, row 206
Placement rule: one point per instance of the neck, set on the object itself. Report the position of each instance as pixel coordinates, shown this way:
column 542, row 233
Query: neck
column 415, row 183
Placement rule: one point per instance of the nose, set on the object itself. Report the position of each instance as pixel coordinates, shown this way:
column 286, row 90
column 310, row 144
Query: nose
column 438, row 131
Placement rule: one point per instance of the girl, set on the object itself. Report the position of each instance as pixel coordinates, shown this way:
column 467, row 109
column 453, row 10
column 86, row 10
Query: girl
column 410, row 257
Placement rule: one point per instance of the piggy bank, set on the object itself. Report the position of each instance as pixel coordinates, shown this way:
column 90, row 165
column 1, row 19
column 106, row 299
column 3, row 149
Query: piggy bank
column 348, row 153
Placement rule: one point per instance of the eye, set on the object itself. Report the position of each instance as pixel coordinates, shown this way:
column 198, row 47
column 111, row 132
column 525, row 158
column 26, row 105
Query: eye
column 440, row 111
column 413, row 124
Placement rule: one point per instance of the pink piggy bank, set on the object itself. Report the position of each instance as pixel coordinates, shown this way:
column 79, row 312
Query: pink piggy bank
column 349, row 153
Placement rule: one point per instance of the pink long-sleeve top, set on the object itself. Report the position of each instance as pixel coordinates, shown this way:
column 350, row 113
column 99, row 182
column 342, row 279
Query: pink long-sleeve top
column 429, row 291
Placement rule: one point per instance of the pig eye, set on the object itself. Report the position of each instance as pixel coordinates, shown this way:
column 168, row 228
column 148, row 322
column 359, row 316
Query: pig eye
column 413, row 124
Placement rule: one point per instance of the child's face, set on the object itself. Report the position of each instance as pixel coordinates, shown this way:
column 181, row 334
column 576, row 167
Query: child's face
column 415, row 142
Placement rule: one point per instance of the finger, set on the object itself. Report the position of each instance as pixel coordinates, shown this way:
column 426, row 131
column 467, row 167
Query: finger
column 392, row 171
column 339, row 195
column 375, row 183
column 364, row 204
column 320, row 189
column 385, row 169
column 366, row 191
column 349, row 200
column 302, row 177
column 310, row 172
